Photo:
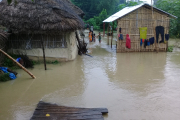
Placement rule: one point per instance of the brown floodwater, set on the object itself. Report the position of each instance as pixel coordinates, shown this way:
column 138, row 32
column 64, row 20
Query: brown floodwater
column 133, row 86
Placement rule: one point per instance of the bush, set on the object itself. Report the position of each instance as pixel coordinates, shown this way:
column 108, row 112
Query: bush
column 47, row 62
column 4, row 77
column 170, row 49
column 172, row 7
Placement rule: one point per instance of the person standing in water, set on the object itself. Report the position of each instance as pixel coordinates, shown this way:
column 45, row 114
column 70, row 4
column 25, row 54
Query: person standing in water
column 90, row 36
column 99, row 37
column 94, row 37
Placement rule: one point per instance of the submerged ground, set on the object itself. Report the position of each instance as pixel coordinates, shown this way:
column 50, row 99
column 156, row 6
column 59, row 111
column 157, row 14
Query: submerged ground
column 133, row 86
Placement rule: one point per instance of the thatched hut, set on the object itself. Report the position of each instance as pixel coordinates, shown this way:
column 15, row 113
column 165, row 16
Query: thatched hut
column 53, row 21
column 131, row 19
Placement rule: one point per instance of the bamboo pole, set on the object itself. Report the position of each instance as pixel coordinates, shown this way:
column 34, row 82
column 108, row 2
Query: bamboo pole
column 18, row 64
column 44, row 58
column 112, row 34
column 153, row 25
column 108, row 35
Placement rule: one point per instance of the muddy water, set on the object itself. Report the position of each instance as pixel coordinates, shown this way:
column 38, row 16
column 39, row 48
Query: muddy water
column 133, row 86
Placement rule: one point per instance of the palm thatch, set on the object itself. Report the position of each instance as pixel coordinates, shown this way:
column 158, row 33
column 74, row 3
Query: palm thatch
column 3, row 40
column 40, row 16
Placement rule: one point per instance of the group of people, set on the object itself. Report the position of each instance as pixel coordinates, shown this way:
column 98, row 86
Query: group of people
column 92, row 37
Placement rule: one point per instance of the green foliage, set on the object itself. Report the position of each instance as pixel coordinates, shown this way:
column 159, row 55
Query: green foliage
column 170, row 49
column 97, row 20
column 4, row 77
column 47, row 62
column 172, row 7
column 52, row 62
column 9, row 63
column 36, row 62
column 92, row 8
column 9, row 1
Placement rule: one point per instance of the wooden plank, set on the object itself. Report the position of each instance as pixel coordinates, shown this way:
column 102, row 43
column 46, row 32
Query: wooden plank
column 67, row 113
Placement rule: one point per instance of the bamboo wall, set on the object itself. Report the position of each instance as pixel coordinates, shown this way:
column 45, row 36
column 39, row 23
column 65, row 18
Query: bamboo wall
column 131, row 23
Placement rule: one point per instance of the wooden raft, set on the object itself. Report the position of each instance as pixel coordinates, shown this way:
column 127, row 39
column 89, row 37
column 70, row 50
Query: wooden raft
column 47, row 111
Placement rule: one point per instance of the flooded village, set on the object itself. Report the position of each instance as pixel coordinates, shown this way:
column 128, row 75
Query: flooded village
column 122, row 73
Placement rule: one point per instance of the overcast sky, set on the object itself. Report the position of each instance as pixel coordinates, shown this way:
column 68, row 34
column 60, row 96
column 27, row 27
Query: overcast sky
column 148, row 1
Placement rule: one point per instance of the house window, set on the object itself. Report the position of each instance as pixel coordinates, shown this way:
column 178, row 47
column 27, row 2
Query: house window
column 34, row 41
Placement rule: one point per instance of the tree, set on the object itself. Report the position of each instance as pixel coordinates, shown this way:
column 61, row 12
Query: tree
column 97, row 20
column 173, row 7
column 92, row 8
column 155, row 2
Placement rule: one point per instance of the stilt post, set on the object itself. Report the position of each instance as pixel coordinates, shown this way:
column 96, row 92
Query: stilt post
column 112, row 34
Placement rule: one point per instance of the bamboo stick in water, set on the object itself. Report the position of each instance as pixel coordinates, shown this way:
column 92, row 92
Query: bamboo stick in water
column 18, row 64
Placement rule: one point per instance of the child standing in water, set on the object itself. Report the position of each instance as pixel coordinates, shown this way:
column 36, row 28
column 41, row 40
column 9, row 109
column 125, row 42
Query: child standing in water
column 99, row 37
column 94, row 37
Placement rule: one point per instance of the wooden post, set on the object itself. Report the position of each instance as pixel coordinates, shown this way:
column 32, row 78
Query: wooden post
column 44, row 58
column 108, row 35
column 104, row 29
column 112, row 34
column 153, row 26
column 18, row 64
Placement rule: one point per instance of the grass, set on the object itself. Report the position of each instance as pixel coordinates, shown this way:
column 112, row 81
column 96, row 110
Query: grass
column 47, row 62
column 9, row 63
column 4, row 77
column 170, row 48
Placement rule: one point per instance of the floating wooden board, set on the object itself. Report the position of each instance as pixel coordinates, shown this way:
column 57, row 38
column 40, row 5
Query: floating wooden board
column 47, row 111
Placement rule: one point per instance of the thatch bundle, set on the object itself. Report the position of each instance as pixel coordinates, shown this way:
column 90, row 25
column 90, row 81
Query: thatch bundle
column 40, row 16
column 3, row 40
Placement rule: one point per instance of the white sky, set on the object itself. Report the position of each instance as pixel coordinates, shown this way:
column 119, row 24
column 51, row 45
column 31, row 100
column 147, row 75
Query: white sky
column 148, row 1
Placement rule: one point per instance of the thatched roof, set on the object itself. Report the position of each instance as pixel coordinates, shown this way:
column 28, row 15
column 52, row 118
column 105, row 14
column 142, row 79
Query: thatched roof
column 40, row 16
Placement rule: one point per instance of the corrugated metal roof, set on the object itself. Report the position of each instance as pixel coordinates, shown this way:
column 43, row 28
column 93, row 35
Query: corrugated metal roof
column 128, row 10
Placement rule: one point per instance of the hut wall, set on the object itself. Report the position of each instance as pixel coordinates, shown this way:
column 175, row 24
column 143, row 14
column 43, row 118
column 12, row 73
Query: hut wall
column 131, row 23
column 55, row 49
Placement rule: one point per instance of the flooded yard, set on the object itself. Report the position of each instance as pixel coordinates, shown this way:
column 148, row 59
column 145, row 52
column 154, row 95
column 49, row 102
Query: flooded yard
column 133, row 86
